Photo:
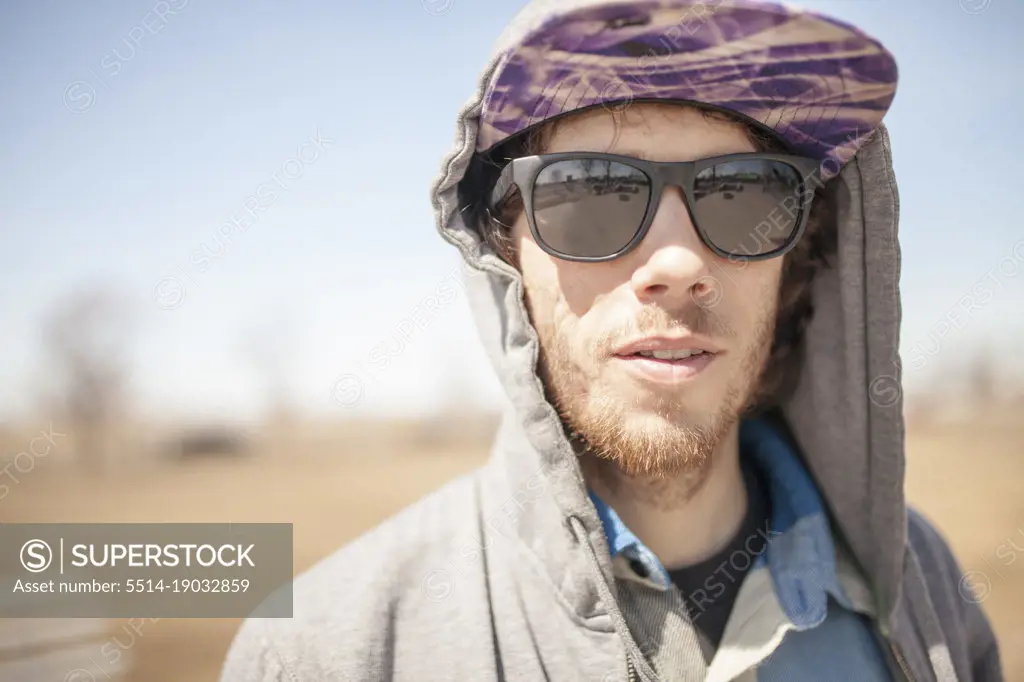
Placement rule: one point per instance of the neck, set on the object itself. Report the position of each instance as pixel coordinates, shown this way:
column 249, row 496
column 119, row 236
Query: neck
column 683, row 519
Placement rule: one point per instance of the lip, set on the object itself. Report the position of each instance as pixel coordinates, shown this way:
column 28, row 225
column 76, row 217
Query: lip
column 667, row 371
column 672, row 343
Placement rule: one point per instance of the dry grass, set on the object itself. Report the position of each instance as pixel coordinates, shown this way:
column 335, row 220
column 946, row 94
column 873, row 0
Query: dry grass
column 967, row 480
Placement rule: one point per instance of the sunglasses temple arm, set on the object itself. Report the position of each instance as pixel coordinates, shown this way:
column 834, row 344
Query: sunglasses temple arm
column 502, row 187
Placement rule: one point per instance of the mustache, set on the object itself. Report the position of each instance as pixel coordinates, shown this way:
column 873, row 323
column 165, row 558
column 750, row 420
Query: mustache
column 653, row 320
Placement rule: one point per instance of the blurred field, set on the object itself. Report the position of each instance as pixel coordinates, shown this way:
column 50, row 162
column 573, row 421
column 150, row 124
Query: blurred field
column 969, row 479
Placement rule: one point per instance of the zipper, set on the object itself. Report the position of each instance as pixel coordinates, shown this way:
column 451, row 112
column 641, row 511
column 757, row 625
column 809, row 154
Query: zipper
column 883, row 637
column 901, row 662
column 630, row 670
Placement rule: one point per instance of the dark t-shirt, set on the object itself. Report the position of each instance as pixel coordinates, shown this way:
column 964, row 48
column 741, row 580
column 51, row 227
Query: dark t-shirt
column 710, row 587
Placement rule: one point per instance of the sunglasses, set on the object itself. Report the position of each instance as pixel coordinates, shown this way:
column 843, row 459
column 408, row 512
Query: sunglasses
column 594, row 207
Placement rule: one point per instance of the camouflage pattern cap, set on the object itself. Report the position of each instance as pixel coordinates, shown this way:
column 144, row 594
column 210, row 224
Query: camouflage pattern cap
column 819, row 83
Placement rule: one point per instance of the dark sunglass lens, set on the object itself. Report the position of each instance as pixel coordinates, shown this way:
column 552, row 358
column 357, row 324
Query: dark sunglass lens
column 589, row 208
column 748, row 207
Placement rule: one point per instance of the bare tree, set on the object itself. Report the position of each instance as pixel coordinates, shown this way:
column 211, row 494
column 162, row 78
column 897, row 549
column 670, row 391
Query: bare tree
column 268, row 348
column 457, row 416
column 982, row 381
column 86, row 338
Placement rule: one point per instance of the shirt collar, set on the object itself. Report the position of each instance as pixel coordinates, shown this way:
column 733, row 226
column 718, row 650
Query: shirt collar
column 619, row 536
column 625, row 547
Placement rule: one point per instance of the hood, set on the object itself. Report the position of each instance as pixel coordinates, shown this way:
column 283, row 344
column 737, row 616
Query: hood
column 845, row 413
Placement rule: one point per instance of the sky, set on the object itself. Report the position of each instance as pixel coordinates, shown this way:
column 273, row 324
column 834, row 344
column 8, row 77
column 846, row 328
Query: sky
column 133, row 132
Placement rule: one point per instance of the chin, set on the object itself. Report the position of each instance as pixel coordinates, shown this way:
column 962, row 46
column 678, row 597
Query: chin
column 647, row 419
column 680, row 406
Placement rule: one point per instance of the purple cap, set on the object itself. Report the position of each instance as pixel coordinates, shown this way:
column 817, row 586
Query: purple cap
column 819, row 83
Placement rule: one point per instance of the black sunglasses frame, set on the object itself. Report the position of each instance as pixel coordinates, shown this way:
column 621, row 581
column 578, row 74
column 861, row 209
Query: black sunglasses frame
column 523, row 172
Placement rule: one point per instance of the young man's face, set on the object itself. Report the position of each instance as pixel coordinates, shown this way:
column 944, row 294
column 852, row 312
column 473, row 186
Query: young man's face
column 651, row 416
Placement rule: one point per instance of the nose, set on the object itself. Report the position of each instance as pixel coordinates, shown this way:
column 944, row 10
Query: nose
column 674, row 266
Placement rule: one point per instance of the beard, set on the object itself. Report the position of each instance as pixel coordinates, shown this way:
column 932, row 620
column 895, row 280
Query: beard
column 653, row 436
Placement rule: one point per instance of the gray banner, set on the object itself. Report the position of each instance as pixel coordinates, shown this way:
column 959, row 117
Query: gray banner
column 152, row 570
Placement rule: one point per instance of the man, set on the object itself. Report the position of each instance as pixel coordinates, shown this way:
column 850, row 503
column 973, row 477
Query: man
column 679, row 222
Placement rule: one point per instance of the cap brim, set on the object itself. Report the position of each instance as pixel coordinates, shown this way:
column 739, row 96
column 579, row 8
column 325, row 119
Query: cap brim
column 820, row 84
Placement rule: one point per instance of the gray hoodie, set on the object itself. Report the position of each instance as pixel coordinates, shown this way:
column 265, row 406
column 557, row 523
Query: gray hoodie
column 505, row 574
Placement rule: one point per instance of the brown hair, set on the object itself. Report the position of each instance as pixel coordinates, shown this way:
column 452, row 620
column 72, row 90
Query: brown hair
column 795, row 307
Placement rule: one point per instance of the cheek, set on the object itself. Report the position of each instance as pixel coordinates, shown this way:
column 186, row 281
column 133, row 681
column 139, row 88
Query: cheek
column 540, row 275
column 544, row 297
column 561, row 302
column 754, row 290
column 566, row 288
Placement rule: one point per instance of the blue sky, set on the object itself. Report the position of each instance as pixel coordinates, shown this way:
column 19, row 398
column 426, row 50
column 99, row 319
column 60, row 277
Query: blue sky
column 121, row 163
